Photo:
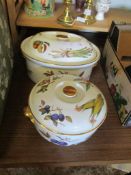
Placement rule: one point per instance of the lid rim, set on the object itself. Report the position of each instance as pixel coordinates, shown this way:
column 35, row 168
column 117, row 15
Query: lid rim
column 36, row 58
column 60, row 66
column 61, row 133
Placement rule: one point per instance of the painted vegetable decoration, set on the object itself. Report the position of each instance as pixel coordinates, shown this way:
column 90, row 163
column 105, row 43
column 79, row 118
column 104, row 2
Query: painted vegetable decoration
column 114, row 69
column 61, row 143
column 84, row 52
column 53, row 114
column 120, row 101
column 41, row 46
column 96, row 106
column 45, row 83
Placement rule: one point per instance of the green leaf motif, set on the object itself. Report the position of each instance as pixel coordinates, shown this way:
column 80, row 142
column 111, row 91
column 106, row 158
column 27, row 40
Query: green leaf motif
column 69, row 119
column 55, row 122
column 42, row 102
column 47, row 117
column 42, row 110
column 78, row 79
column 87, row 86
column 42, row 89
column 56, row 78
column 45, row 134
column 81, row 74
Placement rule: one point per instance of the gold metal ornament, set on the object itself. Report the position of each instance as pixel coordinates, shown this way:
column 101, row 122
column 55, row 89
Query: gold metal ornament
column 88, row 13
column 28, row 114
column 88, row 16
column 66, row 18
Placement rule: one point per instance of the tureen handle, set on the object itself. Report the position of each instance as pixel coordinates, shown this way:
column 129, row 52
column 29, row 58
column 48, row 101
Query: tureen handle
column 28, row 113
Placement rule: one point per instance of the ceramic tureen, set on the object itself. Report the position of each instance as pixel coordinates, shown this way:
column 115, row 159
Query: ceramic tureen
column 54, row 52
column 65, row 109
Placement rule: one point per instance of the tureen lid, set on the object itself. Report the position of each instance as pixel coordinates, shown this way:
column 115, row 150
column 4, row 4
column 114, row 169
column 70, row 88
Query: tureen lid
column 60, row 48
column 67, row 104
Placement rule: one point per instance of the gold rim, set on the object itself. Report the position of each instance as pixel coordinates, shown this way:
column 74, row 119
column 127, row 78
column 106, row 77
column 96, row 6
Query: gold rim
column 62, row 66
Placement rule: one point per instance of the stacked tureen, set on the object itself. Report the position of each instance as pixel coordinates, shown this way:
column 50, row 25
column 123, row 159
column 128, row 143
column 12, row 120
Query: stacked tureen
column 49, row 53
column 64, row 106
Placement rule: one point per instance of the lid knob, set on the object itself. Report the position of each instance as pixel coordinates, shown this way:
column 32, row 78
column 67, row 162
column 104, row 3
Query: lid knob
column 69, row 91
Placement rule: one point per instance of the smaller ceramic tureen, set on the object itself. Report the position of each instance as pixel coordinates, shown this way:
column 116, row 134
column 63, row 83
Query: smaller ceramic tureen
column 66, row 110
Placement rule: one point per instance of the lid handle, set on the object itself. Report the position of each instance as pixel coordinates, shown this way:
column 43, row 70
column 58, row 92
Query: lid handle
column 69, row 91
column 28, row 114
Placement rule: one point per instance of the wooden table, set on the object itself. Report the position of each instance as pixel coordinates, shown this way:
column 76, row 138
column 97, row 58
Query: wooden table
column 22, row 146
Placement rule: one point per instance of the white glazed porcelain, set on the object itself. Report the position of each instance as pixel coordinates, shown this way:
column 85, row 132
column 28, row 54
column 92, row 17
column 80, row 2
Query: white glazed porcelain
column 66, row 110
column 102, row 7
column 55, row 52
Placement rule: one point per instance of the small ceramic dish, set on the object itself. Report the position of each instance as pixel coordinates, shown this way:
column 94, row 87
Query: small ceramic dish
column 54, row 52
column 66, row 110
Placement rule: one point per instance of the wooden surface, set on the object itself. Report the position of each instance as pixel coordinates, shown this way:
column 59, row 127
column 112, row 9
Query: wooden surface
column 22, row 146
column 12, row 15
column 51, row 22
column 12, row 10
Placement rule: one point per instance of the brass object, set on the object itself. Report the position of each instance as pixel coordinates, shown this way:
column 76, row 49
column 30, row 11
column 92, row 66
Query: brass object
column 88, row 13
column 66, row 18
column 28, row 114
column 88, row 16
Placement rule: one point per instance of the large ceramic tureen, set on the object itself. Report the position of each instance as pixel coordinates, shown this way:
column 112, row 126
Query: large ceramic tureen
column 66, row 109
column 54, row 52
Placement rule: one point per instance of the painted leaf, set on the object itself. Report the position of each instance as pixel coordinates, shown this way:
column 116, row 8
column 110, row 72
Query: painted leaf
column 55, row 122
column 43, row 102
column 42, row 110
column 82, row 73
column 42, row 89
column 87, row 86
column 69, row 119
column 55, row 78
column 44, row 82
column 78, row 79
column 61, row 72
column 45, row 134
column 47, row 117
column 47, row 74
column 123, row 101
